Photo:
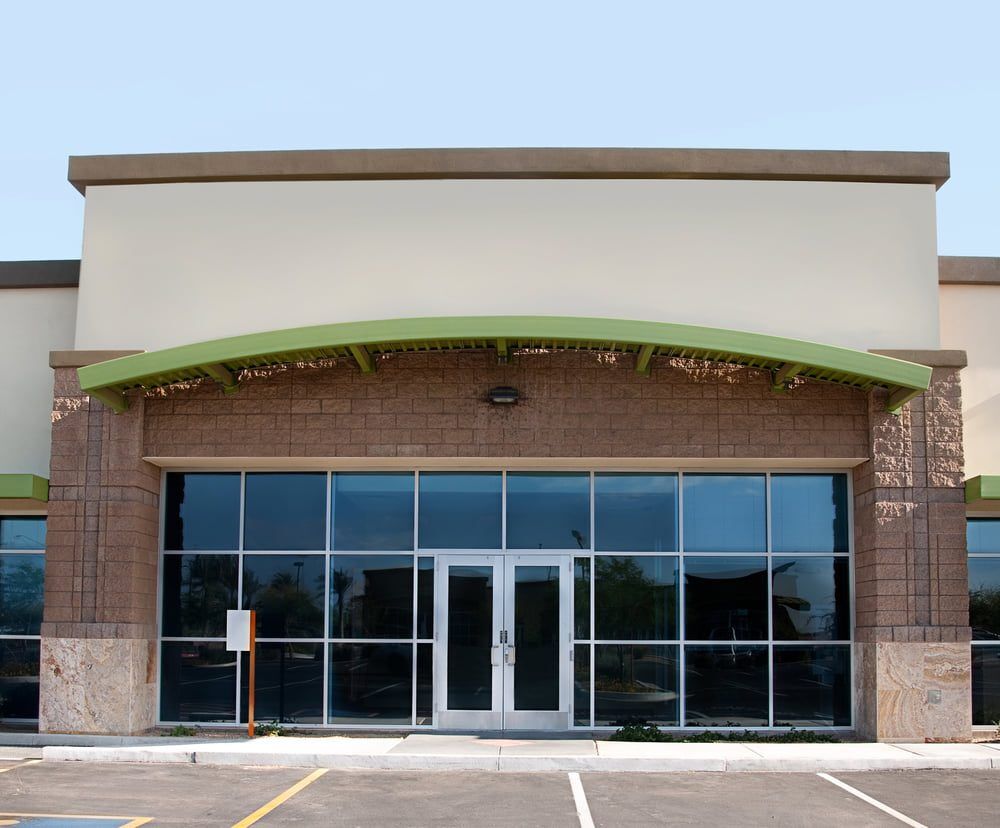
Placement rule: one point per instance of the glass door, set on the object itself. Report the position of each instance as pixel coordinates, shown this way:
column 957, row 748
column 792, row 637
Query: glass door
column 504, row 642
column 538, row 645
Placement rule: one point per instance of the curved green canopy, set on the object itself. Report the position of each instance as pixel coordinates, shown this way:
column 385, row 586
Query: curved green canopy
column 222, row 359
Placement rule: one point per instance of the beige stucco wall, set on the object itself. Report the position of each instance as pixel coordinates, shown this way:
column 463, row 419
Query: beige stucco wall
column 32, row 323
column 970, row 319
column 845, row 263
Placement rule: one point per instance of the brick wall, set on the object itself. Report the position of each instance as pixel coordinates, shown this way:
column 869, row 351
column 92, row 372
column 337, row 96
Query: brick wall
column 101, row 548
column 910, row 553
column 572, row 405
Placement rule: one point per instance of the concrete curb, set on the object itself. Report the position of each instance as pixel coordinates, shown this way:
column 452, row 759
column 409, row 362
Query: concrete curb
column 906, row 760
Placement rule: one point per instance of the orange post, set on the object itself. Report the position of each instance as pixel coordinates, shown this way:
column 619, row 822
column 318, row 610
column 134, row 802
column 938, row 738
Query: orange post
column 253, row 670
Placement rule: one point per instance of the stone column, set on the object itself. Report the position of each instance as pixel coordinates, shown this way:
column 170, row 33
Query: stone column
column 98, row 651
column 912, row 656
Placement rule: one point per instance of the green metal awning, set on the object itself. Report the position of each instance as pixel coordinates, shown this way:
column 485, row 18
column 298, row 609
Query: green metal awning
column 223, row 359
column 24, row 487
column 983, row 487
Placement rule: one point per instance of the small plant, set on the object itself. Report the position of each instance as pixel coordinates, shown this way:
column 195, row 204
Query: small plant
column 640, row 733
column 182, row 730
column 274, row 728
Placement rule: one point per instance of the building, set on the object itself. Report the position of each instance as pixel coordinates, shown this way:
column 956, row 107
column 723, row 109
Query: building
column 524, row 439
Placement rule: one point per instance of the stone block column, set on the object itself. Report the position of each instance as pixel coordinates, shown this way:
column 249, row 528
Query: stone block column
column 912, row 653
column 98, row 650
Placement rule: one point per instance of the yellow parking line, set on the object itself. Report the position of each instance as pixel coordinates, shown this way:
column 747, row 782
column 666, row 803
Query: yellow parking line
column 21, row 765
column 264, row 810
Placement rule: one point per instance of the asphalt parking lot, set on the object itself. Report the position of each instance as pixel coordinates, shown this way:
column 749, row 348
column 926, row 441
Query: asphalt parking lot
column 36, row 794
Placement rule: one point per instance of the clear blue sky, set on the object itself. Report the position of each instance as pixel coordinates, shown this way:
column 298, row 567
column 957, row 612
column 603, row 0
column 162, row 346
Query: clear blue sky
column 81, row 78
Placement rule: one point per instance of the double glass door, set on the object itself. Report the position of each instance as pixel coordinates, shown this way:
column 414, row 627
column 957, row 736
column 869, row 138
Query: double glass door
column 503, row 644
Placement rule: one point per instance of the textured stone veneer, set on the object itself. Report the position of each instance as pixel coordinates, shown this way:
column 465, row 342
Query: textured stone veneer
column 911, row 589
column 97, row 685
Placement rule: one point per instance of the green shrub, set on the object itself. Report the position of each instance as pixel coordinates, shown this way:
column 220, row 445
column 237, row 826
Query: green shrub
column 272, row 729
column 651, row 733
column 182, row 730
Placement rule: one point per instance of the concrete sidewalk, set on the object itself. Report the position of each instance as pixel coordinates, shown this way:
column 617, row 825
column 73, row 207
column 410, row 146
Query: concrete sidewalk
column 451, row 752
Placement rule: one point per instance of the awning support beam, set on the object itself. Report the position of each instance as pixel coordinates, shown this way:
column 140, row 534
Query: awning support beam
column 222, row 375
column 642, row 359
column 503, row 354
column 784, row 375
column 363, row 358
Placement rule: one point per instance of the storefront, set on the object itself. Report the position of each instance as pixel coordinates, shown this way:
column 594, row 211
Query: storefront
column 519, row 600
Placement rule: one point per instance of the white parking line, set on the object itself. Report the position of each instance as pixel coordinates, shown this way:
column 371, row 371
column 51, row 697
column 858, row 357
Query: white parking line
column 871, row 801
column 580, row 798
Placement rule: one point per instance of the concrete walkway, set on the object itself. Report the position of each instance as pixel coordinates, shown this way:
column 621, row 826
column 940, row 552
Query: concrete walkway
column 451, row 752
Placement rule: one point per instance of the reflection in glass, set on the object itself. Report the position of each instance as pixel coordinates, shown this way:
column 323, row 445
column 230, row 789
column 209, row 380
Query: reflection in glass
column 725, row 599
column 22, row 532
column 197, row 682
column 287, row 593
column 635, row 512
column 371, row 596
column 288, row 683
column 984, row 598
column 197, row 591
column 985, row 685
column 581, row 598
column 202, row 511
column 635, row 597
column 425, row 597
column 635, row 683
column 809, row 513
column 22, row 583
column 371, row 683
column 536, row 637
column 372, row 511
column 983, row 534
column 581, row 685
column 726, row 686
column 724, row 513
column 548, row 511
column 19, row 678
column 284, row 511
column 425, row 684
column 470, row 637
column 460, row 510
column 812, row 686
column 811, row 599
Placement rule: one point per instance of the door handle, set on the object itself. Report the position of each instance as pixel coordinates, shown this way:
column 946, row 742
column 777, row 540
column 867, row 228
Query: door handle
column 495, row 656
column 511, row 655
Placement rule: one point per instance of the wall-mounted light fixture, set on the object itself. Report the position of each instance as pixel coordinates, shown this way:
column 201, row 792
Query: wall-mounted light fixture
column 503, row 395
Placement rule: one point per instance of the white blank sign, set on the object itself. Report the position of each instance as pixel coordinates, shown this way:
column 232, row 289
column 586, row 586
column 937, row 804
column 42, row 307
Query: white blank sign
column 238, row 630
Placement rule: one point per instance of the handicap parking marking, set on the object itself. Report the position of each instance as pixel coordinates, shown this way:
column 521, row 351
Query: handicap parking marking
column 71, row 821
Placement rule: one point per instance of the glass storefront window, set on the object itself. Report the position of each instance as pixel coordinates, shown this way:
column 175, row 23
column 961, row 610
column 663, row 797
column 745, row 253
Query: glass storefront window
column 983, row 537
column 287, row 592
column 635, row 597
column 725, row 599
column 288, row 684
column 725, row 513
column 460, row 510
column 809, row 513
column 371, row 683
column 548, row 511
column 284, row 512
column 197, row 591
column 371, row 596
column 197, row 682
column 985, row 684
column 19, row 659
column 812, row 686
column 581, row 598
column 635, row 683
column 984, row 598
column 811, row 599
column 22, row 583
column 202, row 511
column 372, row 512
column 22, row 532
column 635, row 512
column 727, row 685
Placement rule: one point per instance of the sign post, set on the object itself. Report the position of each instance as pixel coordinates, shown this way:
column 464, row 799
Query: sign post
column 241, row 635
